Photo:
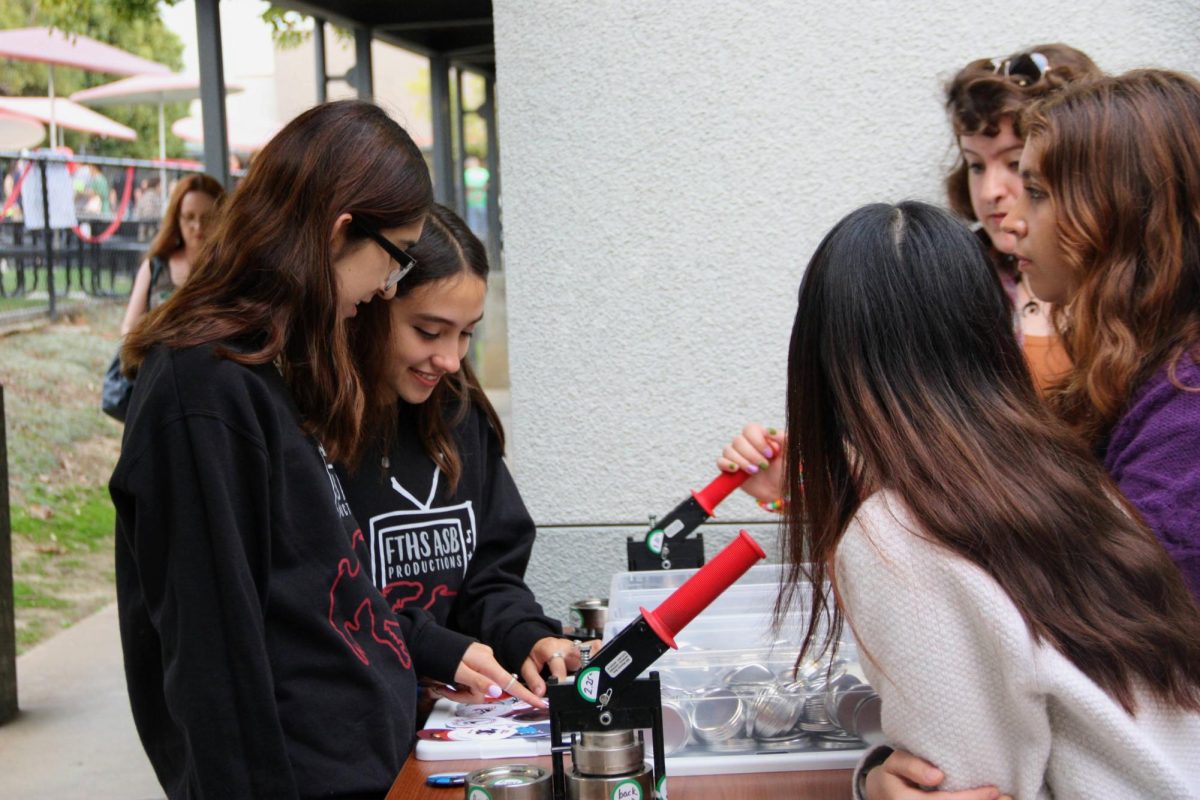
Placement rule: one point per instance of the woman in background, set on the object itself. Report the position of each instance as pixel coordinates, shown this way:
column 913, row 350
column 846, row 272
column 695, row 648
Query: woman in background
column 176, row 246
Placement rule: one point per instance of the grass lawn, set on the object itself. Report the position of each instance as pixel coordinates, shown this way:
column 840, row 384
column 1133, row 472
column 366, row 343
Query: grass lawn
column 61, row 451
column 75, row 283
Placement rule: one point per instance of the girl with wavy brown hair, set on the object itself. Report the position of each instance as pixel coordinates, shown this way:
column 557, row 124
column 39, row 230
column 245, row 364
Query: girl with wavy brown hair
column 1026, row 632
column 1108, row 230
column 984, row 101
column 260, row 659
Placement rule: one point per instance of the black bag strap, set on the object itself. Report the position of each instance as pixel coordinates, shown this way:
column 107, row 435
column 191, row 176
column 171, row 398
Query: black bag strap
column 157, row 265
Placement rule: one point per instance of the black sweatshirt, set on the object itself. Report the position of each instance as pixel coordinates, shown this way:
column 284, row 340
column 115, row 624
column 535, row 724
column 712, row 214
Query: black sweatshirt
column 261, row 661
column 462, row 556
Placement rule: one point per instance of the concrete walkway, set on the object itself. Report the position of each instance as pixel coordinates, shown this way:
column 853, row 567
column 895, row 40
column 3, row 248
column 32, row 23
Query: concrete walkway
column 74, row 736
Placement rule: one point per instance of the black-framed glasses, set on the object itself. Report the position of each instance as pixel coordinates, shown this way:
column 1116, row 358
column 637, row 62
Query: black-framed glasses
column 1025, row 69
column 404, row 262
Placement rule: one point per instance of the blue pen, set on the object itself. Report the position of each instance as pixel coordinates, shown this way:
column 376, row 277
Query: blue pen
column 444, row 779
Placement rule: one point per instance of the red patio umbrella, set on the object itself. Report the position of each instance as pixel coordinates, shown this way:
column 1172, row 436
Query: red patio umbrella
column 18, row 131
column 69, row 115
column 160, row 89
column 47, row 46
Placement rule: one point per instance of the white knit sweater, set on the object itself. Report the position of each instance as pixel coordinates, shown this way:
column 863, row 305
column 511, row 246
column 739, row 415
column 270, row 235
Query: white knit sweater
column 965, row 686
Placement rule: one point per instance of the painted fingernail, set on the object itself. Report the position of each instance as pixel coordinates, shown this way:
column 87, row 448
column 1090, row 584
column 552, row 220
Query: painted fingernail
column 769, row 453
column 753, row 470
column 763, row 465
column 772, row 431
column 494, row 691
column 732, row 467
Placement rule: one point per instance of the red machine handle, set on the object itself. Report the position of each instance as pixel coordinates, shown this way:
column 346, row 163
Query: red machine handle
column 721, row 487
column 698, row 592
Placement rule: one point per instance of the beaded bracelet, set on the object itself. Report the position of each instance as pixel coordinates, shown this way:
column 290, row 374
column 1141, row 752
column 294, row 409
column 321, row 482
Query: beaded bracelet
column 776, row 506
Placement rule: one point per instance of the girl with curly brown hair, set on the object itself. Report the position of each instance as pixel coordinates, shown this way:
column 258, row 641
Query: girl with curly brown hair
column 984, row 101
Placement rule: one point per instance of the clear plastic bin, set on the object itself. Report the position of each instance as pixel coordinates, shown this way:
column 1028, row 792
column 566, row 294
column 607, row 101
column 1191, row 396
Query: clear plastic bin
column 730, row 689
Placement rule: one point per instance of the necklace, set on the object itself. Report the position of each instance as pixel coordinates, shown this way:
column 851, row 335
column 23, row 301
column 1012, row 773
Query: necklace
column 1032, row 305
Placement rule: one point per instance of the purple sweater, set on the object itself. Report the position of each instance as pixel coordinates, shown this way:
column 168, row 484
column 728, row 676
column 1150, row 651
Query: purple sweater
column 1153, row 455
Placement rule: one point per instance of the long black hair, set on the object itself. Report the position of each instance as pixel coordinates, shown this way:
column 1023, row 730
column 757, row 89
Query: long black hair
column 904, row 374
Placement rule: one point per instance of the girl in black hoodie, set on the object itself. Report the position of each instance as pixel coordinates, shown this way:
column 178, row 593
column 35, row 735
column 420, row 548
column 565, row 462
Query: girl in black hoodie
column 444, row 524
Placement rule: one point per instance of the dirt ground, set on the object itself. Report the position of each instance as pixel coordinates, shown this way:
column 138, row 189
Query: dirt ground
column 61, row 452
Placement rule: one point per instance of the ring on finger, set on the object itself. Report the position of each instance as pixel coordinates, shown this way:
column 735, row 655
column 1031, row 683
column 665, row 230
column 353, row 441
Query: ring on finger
column 511, row 681
column 557, row 654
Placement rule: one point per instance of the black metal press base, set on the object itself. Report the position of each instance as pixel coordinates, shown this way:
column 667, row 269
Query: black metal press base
column 637, row 706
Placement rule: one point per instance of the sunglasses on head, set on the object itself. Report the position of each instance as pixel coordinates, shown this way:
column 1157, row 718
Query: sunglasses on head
column 1024, row 70
column 404, row 262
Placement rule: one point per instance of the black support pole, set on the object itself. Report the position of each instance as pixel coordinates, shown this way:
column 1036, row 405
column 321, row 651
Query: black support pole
column 444, row 182
column 212, row 90
column 8, row 635
column 363, row 79
column 319, row 58
column 493, row 166
column 48, row 241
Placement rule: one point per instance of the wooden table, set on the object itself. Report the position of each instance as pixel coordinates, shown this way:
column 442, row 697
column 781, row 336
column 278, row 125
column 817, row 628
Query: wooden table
column 811, row 785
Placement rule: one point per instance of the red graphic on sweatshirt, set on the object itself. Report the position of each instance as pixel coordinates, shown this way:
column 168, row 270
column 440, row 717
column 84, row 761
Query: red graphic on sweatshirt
column 441, row 590
column 349, row 626
column 400, row 593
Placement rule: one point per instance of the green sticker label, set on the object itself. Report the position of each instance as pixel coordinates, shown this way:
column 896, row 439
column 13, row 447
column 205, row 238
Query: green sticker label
column 479, row 793
column 654, row 541
column 587, row 683
column 660, row 793
column 626, row 790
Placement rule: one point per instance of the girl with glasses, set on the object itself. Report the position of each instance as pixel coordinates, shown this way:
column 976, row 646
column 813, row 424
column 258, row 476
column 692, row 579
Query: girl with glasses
column 449, row 534
column 1025, row 630
column 261, row 660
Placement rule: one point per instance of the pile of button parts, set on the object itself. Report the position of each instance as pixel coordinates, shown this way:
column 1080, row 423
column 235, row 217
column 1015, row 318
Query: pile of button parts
column 756, row 709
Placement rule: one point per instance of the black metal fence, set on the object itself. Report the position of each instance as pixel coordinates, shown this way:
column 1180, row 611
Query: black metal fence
column 113, row 206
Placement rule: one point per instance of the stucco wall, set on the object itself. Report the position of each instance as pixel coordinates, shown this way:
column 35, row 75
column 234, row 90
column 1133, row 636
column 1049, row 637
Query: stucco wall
column 668, row 169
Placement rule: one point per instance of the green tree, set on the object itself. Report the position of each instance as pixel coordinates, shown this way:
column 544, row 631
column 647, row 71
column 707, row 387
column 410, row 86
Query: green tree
column 132, row 25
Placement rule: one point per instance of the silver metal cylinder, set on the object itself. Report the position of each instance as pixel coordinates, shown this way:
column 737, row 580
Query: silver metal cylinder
column 603, row 753
column 677, row 727
column 638, row 786
column 717, row 716
column 590, row 616
column 509, row 782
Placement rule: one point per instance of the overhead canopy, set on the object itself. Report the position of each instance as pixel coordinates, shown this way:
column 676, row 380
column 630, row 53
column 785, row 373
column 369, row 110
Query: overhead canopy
column 458, row 29
column 169, row 88
column 18, row 131
column 47, row 46
column 67, row 115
